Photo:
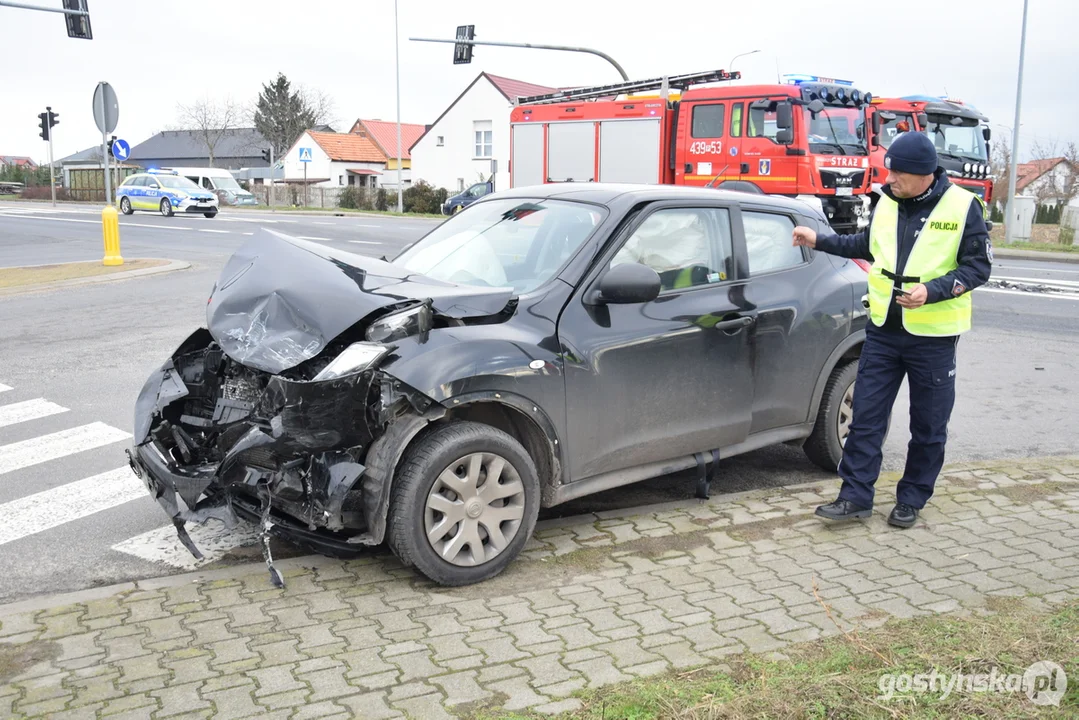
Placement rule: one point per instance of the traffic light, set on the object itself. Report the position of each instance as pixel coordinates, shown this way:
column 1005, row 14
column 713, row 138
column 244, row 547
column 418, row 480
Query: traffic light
column 462, row 52
column 53, row 121
column 44, row 125
column 267, row 154
column 78, row 26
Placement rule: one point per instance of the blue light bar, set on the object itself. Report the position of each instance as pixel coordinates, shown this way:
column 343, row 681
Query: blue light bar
column 799, row 78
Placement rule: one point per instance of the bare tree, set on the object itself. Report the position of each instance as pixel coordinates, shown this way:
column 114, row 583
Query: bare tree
column 210, row 121
column 1001, row 161
column 1048, row 188
column 1071, row 183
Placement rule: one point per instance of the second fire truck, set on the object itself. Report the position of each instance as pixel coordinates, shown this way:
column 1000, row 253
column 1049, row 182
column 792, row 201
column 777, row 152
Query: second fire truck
column 805, row 138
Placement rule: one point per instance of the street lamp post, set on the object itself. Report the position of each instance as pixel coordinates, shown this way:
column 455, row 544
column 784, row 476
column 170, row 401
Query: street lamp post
column 740, row 55
column 1008, row 218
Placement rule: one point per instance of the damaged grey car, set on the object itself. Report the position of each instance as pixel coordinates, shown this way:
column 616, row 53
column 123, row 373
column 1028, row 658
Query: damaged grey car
column 542, row 345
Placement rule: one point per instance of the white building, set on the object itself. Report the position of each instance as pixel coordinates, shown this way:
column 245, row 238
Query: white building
column 457, row 149
column 341, row 159
column 1050, row 181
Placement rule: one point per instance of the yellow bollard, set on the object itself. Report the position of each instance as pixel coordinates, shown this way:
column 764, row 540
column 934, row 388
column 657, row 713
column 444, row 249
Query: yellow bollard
column 110, row 223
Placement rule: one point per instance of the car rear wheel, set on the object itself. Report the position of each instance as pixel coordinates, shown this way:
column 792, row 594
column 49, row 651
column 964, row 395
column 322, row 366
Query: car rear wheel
column 464, row 503
column 125, row 206
column 210, row 214
column 825, row 446
column 166, row 207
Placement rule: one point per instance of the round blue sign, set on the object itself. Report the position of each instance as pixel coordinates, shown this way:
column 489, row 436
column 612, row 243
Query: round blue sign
column 120, row 149
column 733, row 151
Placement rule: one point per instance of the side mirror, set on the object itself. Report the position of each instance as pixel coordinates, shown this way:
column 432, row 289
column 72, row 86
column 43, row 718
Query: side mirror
column 985, row 133
column 876, row 123
column 629, row 283
column 785, row 137
column 784, row 116
column 923, row 120
column 815, row 106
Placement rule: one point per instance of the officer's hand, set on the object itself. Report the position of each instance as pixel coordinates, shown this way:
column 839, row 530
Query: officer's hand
column 917, row 297
column 805, row 236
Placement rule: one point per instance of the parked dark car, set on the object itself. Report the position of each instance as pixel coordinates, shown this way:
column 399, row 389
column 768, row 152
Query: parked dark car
column 547, row 343
column 461, row 200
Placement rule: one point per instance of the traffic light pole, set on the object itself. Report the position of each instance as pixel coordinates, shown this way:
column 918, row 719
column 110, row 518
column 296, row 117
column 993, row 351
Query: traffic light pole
column 273, row 202
column 52, row 178
column 532, row 46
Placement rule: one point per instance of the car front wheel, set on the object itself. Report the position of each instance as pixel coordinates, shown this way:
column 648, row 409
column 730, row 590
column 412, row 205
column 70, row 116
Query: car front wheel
column 125, row 206
column 464, row 503
column 166, row 207
column 825, row 446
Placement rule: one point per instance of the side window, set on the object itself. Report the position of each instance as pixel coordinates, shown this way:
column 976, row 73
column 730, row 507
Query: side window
column 768, row 242
column 688, row 247
column 762, row 123
column 736, row 120
column 140, row 181
column 207, row 184
column 708, row 121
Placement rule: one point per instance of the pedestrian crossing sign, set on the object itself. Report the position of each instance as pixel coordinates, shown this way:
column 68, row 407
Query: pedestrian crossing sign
column 305, row 154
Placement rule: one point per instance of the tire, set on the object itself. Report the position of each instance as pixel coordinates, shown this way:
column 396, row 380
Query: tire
column 210, row 214
column 449, row 452
column 457, row 209
column 125, row 206
column 166, row 207
column 825, row 446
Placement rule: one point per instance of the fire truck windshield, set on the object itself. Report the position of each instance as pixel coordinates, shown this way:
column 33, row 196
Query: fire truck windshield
column 891, row 129
column 959, row 141
column 836, row 131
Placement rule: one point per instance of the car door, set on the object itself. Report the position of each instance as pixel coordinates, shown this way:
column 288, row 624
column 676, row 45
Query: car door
column 803, row 312
column 151, row 194
column 654, row 381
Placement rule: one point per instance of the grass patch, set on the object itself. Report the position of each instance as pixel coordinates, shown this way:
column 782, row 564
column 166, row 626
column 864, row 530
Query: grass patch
column 840, row 677
column 21, row 276
column 1044, row 238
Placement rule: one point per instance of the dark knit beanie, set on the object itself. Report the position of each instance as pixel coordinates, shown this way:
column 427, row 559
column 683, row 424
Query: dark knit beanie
column 912, row 152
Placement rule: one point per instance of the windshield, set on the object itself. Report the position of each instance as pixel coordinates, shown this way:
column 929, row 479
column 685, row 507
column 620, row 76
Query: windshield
column 836, row 131
column 504, row 243
column 175, row 182
column 226, row 182
column 957, row 140
column 891, row 129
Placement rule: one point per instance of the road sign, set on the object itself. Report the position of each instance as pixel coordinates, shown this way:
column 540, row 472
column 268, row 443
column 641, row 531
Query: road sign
column 120, row 149
column 108, row 114
column 462, row 52
column 305, row 154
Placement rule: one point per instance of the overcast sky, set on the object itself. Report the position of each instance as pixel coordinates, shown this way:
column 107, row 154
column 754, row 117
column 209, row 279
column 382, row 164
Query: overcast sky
column 157, row 55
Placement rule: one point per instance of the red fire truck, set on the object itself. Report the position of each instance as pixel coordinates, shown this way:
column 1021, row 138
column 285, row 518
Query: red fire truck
column 959, row 131
column 805, row 138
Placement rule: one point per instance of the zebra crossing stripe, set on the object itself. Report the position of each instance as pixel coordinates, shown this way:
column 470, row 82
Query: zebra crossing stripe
column 58, row 444
column 4, row 388
column 28, row 410
column 212, row 539
column 51, row 508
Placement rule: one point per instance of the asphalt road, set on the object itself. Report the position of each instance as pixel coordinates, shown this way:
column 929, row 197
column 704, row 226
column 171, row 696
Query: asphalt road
column 73, row 360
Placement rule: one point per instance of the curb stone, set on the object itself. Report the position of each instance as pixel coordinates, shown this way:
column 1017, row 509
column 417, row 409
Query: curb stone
column 1013, row 254
column 172, row 266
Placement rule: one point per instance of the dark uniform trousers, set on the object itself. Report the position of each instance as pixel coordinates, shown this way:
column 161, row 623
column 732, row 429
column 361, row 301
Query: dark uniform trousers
column 929, row 364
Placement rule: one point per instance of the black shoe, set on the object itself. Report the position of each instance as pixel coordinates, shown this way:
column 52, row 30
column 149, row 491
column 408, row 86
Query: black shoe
column 843, row 510
column 903, row 515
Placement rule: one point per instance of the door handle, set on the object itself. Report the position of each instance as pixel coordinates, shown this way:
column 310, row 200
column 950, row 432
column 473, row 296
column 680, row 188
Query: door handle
column 736, row 324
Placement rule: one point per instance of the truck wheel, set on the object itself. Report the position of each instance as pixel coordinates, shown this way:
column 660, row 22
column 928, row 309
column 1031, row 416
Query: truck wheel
column 464, row 503
column 825, row 446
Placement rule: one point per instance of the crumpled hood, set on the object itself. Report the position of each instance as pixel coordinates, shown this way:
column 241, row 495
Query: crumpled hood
column 280, row 300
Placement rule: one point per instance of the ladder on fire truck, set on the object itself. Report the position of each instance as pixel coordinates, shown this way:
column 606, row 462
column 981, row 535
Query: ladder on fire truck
column 676, row 82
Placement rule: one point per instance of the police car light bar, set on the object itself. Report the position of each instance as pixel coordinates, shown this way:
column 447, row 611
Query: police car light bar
column 799, row 78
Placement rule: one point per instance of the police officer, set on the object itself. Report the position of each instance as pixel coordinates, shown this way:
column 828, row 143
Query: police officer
column 929, row 247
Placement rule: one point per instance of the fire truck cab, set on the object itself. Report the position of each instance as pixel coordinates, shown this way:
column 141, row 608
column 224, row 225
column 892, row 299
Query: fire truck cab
column 805, row 138
column 958, row 130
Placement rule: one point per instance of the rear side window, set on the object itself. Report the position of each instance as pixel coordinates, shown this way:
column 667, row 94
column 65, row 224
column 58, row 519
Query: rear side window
column 768, row 242
column 708, row 121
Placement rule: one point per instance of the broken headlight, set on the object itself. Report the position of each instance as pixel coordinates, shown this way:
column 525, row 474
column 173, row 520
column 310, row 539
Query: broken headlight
column 357, row 357
column 413, row 321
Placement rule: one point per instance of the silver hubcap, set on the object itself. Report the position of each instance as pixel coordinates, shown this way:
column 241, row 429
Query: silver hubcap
column 475, row 509
column 846, row 412
column 124, row 204
column 165, row 207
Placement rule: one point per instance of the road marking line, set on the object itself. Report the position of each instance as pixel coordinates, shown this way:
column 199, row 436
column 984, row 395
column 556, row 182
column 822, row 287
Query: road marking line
column 1035, row 269
column 308, row 237
column 365, row 242
column 155, row 227
column 34, row 451
column 1036, row 281
column 249, row 233
column 4, row 388
column 28, row 410
column 63, row 504
column 226, row 232
column 212, row 539
column 1032, row 295
column 51, row 219
column 322, row 223
column 363, row 225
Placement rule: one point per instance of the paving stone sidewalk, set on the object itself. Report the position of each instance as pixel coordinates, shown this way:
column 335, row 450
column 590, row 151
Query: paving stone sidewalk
column 594, row 600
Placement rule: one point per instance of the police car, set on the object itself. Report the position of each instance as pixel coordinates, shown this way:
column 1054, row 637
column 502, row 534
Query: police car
column 166, row 192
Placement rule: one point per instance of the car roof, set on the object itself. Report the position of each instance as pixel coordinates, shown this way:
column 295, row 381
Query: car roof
column 611, row 193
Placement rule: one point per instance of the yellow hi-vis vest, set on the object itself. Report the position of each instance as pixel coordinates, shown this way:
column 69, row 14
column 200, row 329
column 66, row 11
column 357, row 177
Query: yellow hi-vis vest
column 933, row 255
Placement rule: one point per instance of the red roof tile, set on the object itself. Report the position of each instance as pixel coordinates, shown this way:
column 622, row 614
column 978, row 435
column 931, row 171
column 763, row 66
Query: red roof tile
column 348, row 147
column 513, row 89
column 1028, row 172
column 385, row 136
